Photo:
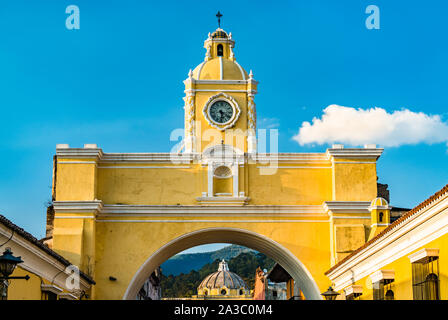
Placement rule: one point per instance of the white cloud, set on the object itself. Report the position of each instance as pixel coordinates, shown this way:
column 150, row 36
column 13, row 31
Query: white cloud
column 356, row 127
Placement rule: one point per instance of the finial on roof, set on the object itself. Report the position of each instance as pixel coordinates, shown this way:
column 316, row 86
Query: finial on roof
column 190, row 74
column 223, row 266
column 251, row 75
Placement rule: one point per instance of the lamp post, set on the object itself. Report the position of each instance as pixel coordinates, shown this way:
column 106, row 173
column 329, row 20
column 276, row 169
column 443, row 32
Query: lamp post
column 8, row 263
column 330, row 294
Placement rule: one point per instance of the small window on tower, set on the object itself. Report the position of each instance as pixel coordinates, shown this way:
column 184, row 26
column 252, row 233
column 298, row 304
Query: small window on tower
column 220, row 50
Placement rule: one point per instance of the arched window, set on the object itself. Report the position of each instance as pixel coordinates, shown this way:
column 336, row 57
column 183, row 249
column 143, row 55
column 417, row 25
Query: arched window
column 220, row 50
column 222, row 181
column 432, row 287
column 381, row 216
column 241, row 292
column 389, row 295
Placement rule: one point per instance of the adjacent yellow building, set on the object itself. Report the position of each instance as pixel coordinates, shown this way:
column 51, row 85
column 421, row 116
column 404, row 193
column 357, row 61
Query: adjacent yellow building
column 50, row 274
column 406, row 260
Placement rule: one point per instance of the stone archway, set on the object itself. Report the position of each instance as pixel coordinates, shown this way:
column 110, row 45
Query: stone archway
column 227, row 235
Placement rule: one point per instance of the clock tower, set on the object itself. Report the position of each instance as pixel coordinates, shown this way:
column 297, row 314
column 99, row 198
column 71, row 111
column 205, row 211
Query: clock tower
column 219, row 100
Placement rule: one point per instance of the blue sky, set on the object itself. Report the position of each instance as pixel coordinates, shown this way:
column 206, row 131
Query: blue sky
column 117, row 81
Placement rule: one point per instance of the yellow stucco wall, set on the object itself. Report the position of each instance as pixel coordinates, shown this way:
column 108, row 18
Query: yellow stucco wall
column 363, row 188
column 75, row 181
column 290, row 186
column 20, row 289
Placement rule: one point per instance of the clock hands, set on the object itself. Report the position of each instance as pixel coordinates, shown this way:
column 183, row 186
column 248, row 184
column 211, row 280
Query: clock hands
column 221, row 115
column 221, row 112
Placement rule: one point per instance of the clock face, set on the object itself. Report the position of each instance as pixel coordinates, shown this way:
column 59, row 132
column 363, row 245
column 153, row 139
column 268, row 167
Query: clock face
column 221, row 112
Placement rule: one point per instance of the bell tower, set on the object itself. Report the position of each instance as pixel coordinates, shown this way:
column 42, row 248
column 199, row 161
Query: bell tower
column 219, row 100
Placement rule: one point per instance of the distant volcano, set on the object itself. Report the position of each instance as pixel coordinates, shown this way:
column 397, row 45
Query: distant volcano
column 184, row 263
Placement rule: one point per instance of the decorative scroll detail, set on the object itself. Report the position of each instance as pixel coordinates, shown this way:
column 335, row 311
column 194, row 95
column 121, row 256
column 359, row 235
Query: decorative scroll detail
column 232, row 55
column 251, row 112
column 208, row 55
column 223, row 172
column 189, row 115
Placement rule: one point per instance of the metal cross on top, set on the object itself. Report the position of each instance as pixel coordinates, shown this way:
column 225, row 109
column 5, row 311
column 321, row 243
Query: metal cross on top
column 219, row 15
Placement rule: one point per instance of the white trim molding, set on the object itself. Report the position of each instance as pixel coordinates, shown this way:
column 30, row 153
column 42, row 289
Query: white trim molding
column 68, row 296
column 78, row 153
column 78, row 206
column 181, row 211
column 354, row 153
column 220, row 81
column 380, row 225
column 423, row 254
column 50, row 288
column 382, row 275
column 223, row 200
column 353, row 289
column 346, row 206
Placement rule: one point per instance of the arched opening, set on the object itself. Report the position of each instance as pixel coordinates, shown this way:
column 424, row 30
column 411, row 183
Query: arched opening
column 220, row 50
column 389, row 295
column 227, row 235
column 223, row 181
column 432, row 287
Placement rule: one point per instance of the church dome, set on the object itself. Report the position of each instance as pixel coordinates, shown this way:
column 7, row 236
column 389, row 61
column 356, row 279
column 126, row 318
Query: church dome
column 219, row 34
column 220, row 62
column 379, row 202
column 220, row 69
column 223, row 279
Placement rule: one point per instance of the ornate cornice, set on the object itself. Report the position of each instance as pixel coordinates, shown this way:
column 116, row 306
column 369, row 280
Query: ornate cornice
column 79, row 153
column 78, row 206
column 382, row 275
column 423, row 254
column 354, row 153
column 346, row 206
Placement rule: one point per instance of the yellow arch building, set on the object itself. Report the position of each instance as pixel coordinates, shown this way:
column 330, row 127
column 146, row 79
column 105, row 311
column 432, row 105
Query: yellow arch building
column 120, row 215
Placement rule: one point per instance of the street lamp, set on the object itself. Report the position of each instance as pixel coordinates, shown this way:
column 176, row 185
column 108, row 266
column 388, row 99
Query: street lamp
column 8, row 263
column 330, row 294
